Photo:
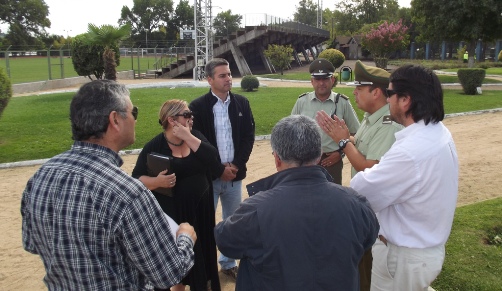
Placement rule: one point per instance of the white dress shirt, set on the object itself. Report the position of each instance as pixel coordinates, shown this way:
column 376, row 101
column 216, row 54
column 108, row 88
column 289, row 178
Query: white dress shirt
column 414, row 188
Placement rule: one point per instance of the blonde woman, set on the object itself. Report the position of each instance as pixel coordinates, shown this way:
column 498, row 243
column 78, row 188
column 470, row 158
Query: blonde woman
column 190, row 181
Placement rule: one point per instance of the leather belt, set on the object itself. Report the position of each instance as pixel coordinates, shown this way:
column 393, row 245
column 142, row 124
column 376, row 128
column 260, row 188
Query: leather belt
column 382, row 239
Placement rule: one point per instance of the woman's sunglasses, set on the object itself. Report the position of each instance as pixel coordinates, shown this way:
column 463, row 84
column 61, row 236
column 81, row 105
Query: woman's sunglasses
column 186, row 114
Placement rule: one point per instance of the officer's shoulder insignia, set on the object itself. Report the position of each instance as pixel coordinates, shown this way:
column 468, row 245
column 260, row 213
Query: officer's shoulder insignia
column 387, row 119
column 344, row 96
column 304, row 94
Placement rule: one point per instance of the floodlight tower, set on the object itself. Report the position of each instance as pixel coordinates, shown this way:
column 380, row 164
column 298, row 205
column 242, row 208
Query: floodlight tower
column 319, row 14
column 203, row 20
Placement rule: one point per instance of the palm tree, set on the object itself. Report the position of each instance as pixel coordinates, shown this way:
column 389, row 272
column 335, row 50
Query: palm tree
column 108, row 36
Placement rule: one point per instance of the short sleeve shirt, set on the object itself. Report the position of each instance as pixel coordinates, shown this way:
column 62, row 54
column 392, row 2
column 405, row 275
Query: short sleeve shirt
column 309, row 105
column 376, row 134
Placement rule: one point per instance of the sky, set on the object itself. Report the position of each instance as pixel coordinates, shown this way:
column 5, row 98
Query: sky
column 71, row 17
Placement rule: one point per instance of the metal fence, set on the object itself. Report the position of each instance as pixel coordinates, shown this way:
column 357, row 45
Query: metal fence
column 33, row 65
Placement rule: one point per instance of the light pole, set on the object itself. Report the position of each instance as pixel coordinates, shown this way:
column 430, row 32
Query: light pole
column 332, row 28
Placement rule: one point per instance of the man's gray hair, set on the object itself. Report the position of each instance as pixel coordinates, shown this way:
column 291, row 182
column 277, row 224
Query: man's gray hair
column 91, row 106
column 296, row 139
column 212, row 64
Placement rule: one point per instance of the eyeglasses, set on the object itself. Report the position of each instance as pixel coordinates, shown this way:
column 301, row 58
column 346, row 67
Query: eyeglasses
column 186, row 114
column 135, row 112
column 389, row 92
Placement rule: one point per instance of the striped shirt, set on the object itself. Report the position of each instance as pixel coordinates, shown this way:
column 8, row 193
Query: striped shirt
column 223, row 130
column 97, row 228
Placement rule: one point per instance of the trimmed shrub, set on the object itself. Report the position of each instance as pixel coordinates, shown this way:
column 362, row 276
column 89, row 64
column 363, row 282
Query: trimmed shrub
column 249, row 83
column 5, row 90
column 335, row 56
column 470, row 79
column 500, row 56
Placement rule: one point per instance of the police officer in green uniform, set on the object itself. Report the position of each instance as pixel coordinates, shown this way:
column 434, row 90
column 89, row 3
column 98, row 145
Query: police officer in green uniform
column 324, row 99
column 374, row 137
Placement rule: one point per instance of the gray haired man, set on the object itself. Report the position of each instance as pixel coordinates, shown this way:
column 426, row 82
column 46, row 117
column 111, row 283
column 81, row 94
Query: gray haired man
column 298, row 230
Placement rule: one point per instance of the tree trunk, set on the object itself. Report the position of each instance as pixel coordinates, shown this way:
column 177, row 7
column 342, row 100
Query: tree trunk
column 381, row 63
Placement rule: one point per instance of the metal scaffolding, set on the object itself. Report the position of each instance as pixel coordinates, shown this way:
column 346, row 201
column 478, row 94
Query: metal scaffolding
column 203, row 36
column 319, row 14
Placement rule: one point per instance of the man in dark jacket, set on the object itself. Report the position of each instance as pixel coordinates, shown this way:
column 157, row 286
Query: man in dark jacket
column 227, row 122
column 299, row 231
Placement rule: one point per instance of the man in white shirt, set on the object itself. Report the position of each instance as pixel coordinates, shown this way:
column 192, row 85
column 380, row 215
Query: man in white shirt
column 414, row 188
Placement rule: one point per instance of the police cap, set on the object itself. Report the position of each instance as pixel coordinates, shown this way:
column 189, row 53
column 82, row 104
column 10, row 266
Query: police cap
column 321, row 68
column 368, row 75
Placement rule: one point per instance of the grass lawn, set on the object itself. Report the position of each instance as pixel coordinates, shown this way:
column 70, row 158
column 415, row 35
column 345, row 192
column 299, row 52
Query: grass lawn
column 301, row 76
column 471, row 263
column 37, row 127
column 34, row 69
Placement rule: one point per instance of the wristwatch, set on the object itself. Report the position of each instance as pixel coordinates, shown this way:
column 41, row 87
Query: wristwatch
column 343, row 143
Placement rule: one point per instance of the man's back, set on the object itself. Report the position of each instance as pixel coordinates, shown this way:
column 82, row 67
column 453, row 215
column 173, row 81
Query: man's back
column 302, row 233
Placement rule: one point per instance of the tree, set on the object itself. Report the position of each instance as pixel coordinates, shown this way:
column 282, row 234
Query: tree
column 352, row 15
column 146, row 16
column 459, row 20
column 182, row 19
column 87, row 58
column 279, row 56
column 225, row 23
column 306, row 12
column 29, row 16
column 5, row 91
column 109, row 37
column 384, row 40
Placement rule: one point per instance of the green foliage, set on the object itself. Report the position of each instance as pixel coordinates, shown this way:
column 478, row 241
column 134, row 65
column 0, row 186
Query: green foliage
column 500, row 56
column 26, row 18
column 335, row 56
column 279, row 56
column 306, row 12
column 458, row 20
column 147, row 17
column 470, row 79
column 471, row 263
column 249, row 83
column 109, row 37
column 225, row 23
column 87, row 58
column 5, row 91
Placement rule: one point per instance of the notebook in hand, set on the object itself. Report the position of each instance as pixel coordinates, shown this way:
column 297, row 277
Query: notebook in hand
column 157, row 163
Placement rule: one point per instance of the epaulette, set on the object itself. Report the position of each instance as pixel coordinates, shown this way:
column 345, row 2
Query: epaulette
column 301, row 95
column 386, row 119
column 344, row 96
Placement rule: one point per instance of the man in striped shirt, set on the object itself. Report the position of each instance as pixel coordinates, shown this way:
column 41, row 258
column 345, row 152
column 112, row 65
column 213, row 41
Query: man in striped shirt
column 94, row 226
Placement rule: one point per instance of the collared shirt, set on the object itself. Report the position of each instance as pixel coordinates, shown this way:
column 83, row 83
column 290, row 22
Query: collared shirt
column 376, row 134
column 97, row 228
column 309, row 105
column 414, row 188
column 223, row 129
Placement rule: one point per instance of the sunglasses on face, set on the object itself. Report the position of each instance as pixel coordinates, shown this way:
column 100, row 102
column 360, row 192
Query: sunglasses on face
column 135, row 112
column 389, row 92
column 186, row 114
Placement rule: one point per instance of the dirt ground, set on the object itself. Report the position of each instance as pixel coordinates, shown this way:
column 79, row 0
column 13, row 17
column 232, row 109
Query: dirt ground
column 479, row 181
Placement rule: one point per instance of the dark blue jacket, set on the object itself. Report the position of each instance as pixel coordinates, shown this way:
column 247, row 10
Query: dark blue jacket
column 298, row 232
column 243, row 128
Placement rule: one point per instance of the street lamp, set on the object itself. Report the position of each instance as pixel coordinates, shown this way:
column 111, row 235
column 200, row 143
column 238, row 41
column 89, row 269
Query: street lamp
column 67, row 31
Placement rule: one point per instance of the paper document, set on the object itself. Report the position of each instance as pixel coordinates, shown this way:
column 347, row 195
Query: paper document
column 173, row 225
